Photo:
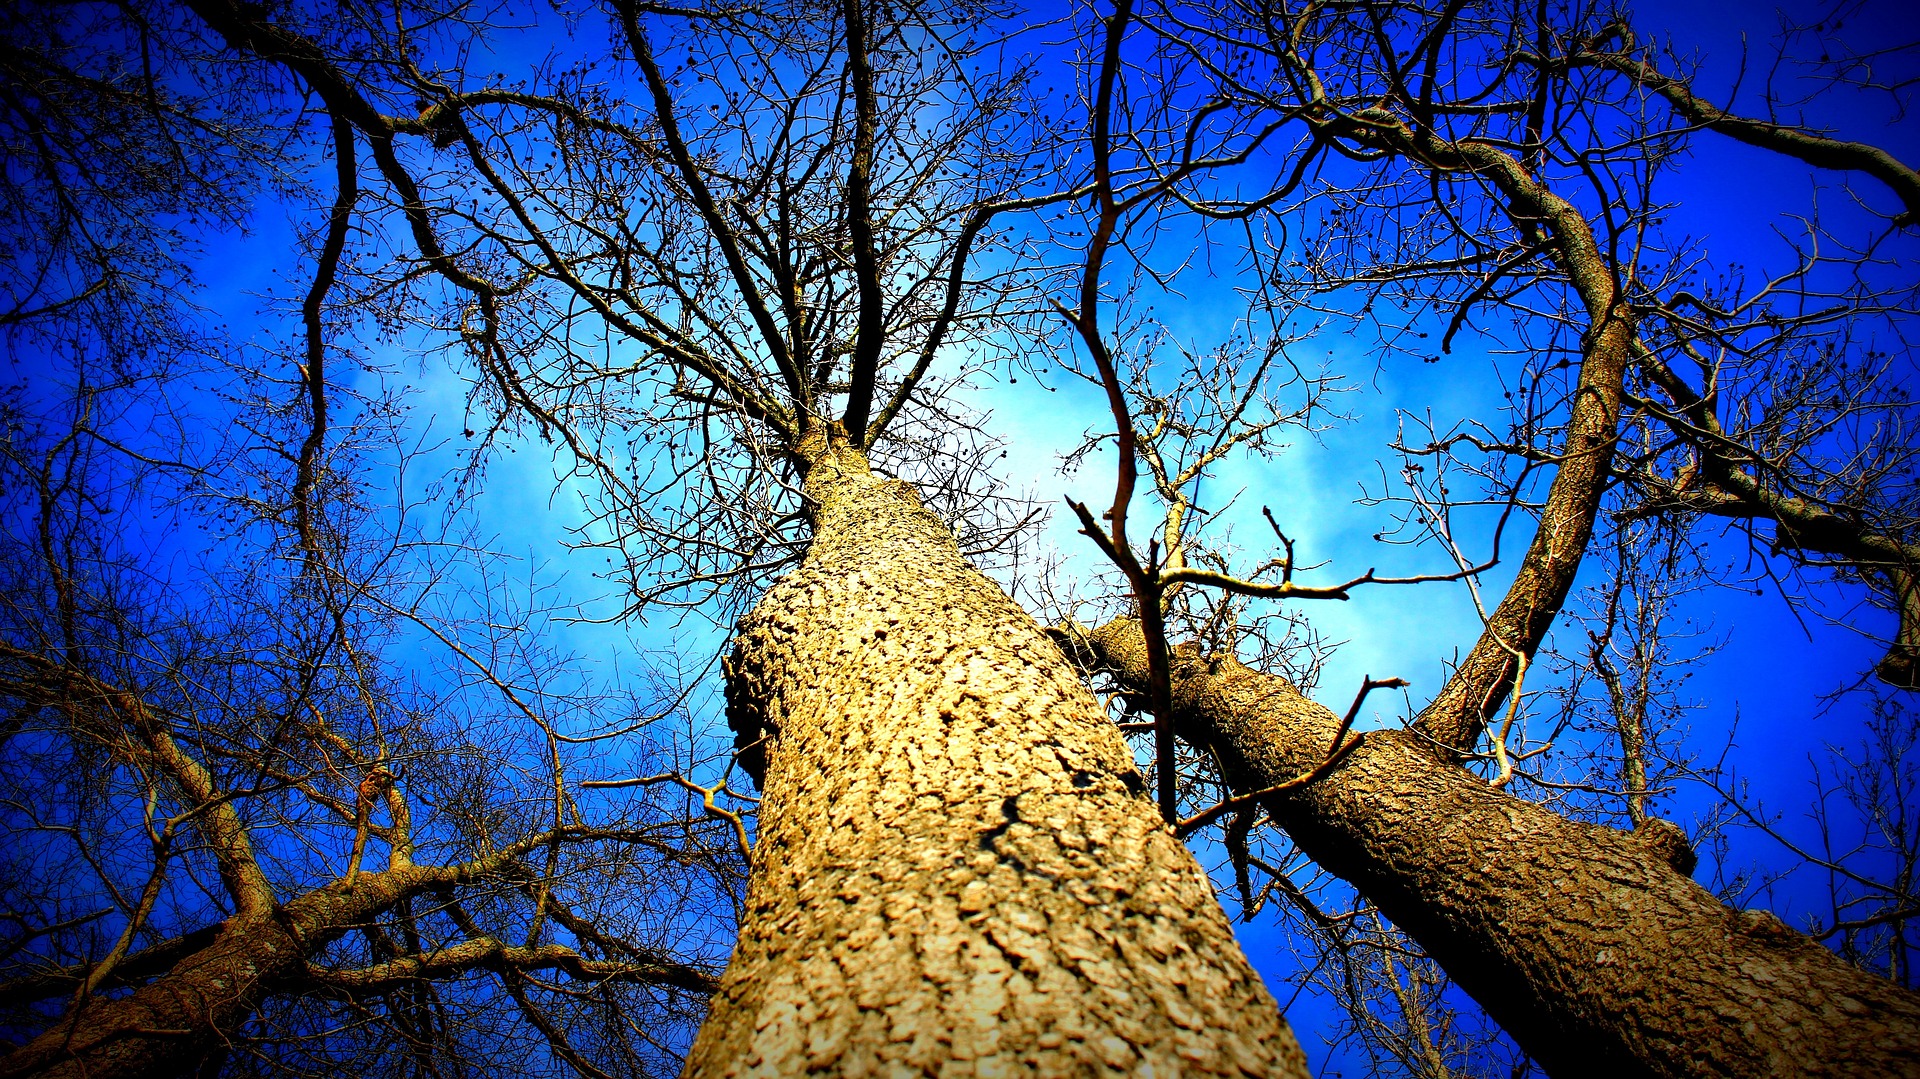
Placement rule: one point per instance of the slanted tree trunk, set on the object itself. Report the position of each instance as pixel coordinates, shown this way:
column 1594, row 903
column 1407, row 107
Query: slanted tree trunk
column 954, row 863
column 169, row 1026
column 188, row 1014
column 1586, row 944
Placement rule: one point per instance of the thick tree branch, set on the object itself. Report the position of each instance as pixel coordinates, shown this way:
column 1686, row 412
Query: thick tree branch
column 314, row 372
column 1458, row 714
column 1734, row 481
column 490, row 954
column 869, row 334
column 122, row 720
column 710, row 212
column 1589, row 946
column 1820, row 151
column 169, row 1024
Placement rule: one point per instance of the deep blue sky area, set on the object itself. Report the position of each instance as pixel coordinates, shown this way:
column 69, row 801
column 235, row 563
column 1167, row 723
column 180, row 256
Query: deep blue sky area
column 1774, row 666
column 1783, row 689
column 1789, row 671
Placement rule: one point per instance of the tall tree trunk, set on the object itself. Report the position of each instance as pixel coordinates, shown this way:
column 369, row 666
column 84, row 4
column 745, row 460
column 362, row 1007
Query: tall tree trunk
column 955, row 865
column 1586, row 944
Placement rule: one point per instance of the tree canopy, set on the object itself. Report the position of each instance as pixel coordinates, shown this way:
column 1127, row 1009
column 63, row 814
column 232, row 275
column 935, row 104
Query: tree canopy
column 412, row 402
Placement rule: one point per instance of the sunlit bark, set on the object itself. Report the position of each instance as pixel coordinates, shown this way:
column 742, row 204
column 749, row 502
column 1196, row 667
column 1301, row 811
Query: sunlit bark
column 1591, row 947
column 955, row 861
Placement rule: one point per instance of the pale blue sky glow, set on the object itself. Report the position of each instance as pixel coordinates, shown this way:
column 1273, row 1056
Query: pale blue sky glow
column 1775, row 663
column 1728, row 198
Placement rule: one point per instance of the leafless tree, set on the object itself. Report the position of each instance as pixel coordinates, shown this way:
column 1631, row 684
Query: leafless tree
column 290, row 778
column 1492, row 174
column 228, row 783
column 741, row 268
column 757, row 240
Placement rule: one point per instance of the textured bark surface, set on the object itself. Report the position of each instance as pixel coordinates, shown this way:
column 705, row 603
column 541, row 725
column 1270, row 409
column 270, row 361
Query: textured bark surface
column 955, row 873
column 1586, row 944
column 166, row 1028
column 188, row 1013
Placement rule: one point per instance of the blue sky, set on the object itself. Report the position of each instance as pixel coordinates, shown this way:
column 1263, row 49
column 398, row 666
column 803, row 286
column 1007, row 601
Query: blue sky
column 1772, row 671
column 1778, row 697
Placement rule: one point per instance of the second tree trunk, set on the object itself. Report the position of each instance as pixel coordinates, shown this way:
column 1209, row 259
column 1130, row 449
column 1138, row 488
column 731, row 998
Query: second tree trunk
column 1586, row 944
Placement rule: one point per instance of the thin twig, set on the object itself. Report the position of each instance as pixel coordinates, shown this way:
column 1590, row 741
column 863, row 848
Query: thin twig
column 1208, row 816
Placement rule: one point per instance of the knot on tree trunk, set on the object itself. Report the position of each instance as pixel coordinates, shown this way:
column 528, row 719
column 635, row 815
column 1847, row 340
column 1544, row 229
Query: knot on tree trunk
column 1900, row 667
column 1669, row 842
column 745, row 714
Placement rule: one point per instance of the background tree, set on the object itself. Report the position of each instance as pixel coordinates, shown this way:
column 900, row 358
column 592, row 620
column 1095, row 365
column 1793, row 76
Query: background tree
column 1444, row 159
column 289, row 771
column 222, row 784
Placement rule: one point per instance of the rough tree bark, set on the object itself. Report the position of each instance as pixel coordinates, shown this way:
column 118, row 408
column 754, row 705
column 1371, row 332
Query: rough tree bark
column 1590, row 946
column 171, row 1025
column 955, row 863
